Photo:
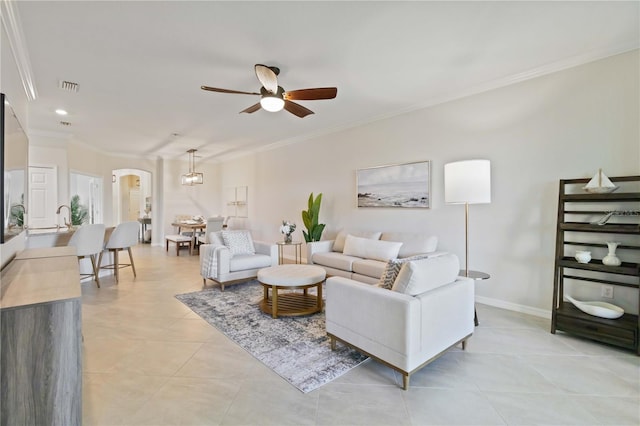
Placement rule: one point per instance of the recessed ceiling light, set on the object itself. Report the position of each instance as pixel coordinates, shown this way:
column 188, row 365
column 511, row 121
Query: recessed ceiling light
column 61, row 112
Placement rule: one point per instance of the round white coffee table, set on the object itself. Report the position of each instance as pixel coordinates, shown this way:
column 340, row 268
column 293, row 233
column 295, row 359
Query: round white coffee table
column 291, row 277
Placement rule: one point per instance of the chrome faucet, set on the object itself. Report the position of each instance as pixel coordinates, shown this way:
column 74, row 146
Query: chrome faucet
column 67, row 224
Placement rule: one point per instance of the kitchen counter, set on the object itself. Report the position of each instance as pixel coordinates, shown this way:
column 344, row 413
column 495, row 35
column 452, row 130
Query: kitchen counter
column 48, row 237
column 41, row 338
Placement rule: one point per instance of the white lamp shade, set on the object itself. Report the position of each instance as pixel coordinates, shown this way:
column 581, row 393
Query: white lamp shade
column 467, row 182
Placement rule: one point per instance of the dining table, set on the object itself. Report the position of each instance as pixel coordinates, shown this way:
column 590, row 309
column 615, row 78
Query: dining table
column 190, row 226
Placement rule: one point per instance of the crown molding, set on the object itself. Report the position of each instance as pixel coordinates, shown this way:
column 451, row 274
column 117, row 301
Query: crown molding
column 13, row 28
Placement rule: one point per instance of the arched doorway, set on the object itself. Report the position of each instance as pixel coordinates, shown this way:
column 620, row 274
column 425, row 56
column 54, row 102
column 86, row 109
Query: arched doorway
column 131, row 195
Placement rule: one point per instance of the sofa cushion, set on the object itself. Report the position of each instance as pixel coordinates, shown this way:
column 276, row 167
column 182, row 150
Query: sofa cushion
column 393, row 266
column 238, row 242
column 335, row 260
column 371, row 249
column 338, row 244
column 413, row 243
column 369, row 267
column 418, row 276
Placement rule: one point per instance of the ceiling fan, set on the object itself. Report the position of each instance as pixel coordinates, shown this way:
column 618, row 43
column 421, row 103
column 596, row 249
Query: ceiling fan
column 274, row 98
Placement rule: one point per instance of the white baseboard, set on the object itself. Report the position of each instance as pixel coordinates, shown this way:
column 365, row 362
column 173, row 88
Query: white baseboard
column 543, row 313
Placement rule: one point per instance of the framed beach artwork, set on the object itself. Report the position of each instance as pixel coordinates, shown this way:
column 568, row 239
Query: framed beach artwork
column 405, row 185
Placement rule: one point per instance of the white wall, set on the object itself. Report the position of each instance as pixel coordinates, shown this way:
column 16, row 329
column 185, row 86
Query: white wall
column 10, row 85
column 562, row 125
column 197, row 200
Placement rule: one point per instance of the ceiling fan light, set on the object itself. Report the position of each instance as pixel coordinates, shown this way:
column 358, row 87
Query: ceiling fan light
column 272, row 103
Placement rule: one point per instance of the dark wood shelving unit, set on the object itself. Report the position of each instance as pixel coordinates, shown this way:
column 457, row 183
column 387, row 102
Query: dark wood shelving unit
column 624, row 331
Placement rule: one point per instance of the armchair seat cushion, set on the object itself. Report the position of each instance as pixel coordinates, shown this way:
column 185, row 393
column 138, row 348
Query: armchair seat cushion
column 241, row 262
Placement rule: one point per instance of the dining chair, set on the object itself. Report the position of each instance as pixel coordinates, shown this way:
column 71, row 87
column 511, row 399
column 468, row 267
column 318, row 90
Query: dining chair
column 123, row 237
column 89, row 241
column 214, row 224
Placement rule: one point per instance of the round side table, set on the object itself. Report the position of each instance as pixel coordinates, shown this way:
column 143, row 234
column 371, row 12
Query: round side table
column 476, row 276
column 297, row 246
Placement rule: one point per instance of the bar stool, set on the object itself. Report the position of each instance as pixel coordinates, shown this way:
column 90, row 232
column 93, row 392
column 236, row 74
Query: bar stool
column 88, row 241
column 123, row 237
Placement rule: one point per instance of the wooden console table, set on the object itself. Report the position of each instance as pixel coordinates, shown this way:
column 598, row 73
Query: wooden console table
column 41, row 338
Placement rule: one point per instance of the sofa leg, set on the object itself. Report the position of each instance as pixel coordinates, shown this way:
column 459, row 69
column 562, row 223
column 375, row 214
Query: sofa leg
column 464, row 344
column 405, row 381
column 332, row 340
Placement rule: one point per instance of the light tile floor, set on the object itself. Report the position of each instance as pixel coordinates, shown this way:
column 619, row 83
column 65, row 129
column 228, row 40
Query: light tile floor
column 149, row 360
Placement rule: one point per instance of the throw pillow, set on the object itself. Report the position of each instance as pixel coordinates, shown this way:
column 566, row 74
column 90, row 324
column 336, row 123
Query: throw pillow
column 422, row 275
column 338, row 244
column 238, row 242
column 371, row 249
column 393, row 267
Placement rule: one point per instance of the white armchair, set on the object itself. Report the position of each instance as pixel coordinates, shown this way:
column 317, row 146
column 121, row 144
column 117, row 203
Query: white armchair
column 233, row 256
column 429, row 310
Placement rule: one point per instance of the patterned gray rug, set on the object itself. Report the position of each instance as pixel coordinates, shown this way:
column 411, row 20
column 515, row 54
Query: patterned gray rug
column 296, row 348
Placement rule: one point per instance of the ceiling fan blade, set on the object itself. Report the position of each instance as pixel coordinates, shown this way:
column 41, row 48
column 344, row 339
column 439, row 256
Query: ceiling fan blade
column 215, row 89
column 268, row 77
column 252, row 108
column 297, row 109
column 312, row 94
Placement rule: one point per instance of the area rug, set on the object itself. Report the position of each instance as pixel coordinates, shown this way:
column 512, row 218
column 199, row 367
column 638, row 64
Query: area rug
column 296, row 348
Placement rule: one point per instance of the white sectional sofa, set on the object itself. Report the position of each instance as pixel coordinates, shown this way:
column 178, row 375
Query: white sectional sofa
column 428, row 310
column 363, row 255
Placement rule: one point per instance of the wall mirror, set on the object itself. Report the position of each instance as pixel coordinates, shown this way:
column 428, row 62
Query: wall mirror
column 15, row 151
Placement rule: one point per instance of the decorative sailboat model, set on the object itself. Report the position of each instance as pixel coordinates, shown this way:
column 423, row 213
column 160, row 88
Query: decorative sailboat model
column 600, row 184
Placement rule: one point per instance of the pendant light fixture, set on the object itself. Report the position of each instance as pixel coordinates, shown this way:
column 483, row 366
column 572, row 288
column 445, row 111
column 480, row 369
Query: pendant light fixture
column 193, row 177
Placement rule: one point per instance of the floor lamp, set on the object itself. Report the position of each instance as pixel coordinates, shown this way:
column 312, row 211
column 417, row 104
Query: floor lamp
column 468, row 182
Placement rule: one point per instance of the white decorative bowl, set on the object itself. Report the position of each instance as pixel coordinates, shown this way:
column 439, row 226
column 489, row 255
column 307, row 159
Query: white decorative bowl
column 583, row 256
column 598, row 309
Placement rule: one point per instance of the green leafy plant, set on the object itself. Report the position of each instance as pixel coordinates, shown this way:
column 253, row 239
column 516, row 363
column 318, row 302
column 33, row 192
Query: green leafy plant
column 79, row 212
column 16, row 213
column 310, row 219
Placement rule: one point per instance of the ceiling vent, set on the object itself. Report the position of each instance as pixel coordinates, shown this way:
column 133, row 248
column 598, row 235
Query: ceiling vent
column 68, row 86
column 65, row 123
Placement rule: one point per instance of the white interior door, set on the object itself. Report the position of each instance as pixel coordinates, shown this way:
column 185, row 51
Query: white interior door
column 43, row 193
column 134, row 203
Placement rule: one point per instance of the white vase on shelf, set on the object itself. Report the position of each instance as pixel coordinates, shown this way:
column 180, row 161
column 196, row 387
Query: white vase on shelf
column 611, row 259
column 583, row 256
